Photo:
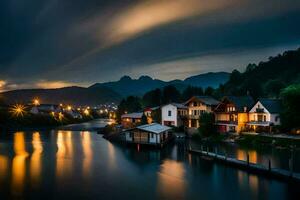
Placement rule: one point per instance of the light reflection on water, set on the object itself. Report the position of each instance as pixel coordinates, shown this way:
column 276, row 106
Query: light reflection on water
column 18, row 164
column 84, row 165
column 35, row 159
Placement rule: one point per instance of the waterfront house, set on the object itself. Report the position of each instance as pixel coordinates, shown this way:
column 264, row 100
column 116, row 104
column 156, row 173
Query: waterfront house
column 231, row 115
column 197, row 105
column 149, row 134
column 174, row 114
column 131, row 120
column 264, row 115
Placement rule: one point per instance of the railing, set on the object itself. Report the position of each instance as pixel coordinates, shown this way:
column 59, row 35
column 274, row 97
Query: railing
column 226, row 122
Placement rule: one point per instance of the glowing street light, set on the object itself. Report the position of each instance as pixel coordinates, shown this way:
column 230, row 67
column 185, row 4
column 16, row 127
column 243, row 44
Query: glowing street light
column 36, row 102
column 69, row 108
column 86, row 112
column 18, row 110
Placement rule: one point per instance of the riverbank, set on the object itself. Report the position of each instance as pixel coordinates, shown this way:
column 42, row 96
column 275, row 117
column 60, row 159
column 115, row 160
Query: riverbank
column 38, row 122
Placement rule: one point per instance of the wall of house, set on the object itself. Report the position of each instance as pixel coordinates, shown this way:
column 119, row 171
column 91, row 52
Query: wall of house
column 221, row 117
column 128, row 136
column 243, row 118
column 152, row 138
column 165, row 117
column 273, row 119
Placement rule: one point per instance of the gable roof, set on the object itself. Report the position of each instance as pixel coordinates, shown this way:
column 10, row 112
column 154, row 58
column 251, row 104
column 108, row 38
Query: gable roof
column 177, row 105
column 154, row 128
column 272, row 105
column 240, row 102
column 136, row 115
column 208, row 100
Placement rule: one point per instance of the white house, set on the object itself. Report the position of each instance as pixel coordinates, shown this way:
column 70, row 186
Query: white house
column 264, row 114
column 152, row 134
column 172, row 114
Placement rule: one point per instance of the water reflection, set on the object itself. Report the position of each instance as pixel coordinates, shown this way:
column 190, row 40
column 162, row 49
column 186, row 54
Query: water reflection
column 111, row 155
column 171, row 180
column 3, row 167
column 64, row 154
column 18, row 164
column 88, row 153
column 242, row 155
column 35, row 161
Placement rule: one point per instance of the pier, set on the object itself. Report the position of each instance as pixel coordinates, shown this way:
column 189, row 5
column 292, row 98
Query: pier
column 268, row 171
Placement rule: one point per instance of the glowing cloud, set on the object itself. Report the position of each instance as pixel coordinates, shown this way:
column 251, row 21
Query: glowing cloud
column 53, row 84
column 145, row 15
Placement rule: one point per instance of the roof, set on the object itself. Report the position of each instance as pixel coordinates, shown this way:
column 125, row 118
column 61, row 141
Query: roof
column 133, row 115
column 208, row 100
column 272, row 105
column 154, row 128
column 241, row 101
column 178, row 105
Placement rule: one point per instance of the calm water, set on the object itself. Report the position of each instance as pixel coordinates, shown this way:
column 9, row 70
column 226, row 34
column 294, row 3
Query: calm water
column 83, row 165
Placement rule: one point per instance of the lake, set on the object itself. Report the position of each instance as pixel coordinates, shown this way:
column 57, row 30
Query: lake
column 82, row 165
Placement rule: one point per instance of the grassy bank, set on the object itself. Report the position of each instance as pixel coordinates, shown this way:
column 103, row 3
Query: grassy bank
column 257, row 140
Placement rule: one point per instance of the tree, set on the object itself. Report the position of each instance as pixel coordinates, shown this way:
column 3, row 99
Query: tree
column 272, row 87
column 128, row 105
column 209, row 91
column 191, row 91
column 207, row 126
column 152, row 98
column 170, row 94
column 144, row 119
column 290, row 117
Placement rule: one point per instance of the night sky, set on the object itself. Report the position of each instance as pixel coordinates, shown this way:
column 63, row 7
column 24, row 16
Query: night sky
column 57, row 43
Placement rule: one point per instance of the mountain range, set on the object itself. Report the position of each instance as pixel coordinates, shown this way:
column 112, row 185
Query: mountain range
column 127, row 86
column 110, row 91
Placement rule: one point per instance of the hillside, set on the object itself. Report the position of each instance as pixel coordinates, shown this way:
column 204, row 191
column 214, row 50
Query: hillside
column 67, row 95
column 266, row 78
column 127, row 86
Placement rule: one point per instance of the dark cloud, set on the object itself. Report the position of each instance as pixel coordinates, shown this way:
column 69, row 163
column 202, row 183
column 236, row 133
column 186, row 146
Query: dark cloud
column 84, row 42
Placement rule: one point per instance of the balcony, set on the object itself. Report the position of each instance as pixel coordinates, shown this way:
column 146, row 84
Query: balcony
column 260, row 110
column 220, row 122
column 259, row 123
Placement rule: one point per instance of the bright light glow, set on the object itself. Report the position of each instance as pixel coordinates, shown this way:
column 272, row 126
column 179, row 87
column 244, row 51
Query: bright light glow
column 86, row 112
column 18, row 110
column 60, row 116
column 36, row 102
column 69, row 108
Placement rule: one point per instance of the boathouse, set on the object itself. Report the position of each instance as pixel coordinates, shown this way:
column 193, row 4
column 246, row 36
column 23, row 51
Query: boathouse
column 149, row 134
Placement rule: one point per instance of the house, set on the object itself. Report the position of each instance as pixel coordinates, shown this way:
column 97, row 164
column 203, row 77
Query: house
column 149, row 134
column 150, row 112
column 130, row 120
column 174, row 114
column 45, row 109
column 231, row 115
column 264, row 114
column 198, row 105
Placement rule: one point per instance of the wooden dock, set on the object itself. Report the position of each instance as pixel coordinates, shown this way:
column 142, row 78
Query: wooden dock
column 270, row 172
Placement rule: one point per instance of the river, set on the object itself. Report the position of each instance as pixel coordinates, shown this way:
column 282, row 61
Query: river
column 71, row 164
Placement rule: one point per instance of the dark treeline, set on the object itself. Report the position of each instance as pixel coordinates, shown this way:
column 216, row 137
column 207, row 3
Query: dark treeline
column 266, row 79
